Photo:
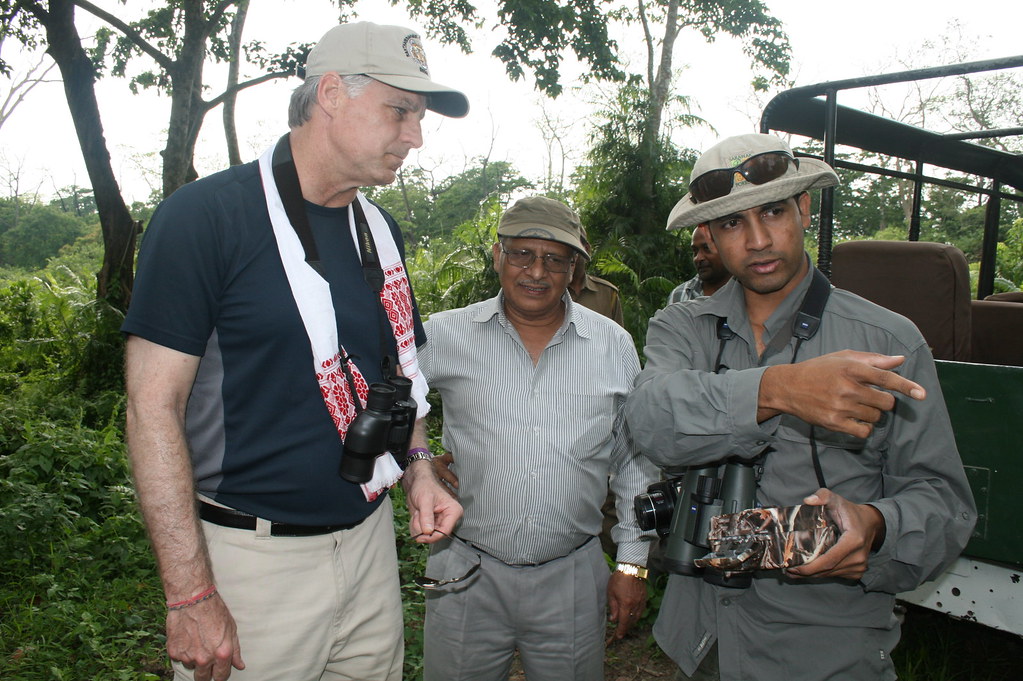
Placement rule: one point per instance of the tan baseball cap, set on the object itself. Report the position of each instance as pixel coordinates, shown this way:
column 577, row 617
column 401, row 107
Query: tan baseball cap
column 391, row 54
column 538, row 217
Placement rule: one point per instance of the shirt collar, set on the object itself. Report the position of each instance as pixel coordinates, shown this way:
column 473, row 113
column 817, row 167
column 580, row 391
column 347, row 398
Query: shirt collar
column 730, row 301
column 494, row 308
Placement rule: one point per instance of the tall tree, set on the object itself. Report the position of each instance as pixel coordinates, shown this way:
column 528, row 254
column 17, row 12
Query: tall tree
column 234, row 155
column 179, row 37
column 183, row 28
column 22, row 19
column 764, row 43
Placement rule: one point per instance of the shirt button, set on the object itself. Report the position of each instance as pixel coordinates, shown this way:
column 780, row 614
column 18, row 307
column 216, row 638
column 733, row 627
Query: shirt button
column 726, row 602
column 761, row 442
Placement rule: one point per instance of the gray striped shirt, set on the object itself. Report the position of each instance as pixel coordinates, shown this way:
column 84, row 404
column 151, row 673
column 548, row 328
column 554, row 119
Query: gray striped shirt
column 534, row 445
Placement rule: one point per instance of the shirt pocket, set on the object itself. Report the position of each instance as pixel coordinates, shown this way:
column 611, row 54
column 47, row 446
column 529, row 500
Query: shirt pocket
column 851, row 466
column 592, row 419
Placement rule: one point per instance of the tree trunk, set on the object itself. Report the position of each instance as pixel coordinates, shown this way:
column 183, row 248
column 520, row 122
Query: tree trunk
column 187, row 106
column 120, row 231
column 234, row 155
column 658, row 89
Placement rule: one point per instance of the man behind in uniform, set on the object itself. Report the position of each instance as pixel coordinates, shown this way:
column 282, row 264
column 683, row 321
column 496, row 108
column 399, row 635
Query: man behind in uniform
column 253, row 335
column 850, row 417
column 711, row 274
column 592, row 292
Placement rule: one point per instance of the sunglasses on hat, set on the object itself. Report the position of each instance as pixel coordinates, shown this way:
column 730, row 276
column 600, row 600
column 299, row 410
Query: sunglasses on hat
column 757, row 169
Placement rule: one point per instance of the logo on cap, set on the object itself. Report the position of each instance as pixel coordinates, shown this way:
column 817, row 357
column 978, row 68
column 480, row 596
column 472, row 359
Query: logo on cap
column 413, row 47
column 736, row 161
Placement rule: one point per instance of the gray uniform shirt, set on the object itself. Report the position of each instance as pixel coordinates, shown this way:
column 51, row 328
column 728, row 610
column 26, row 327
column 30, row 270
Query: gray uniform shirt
column 534, row 445
column 681, row 413
column 687, row 290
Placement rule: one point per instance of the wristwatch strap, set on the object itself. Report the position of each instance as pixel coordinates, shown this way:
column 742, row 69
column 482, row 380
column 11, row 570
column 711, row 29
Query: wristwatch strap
column 417, row 454
column 632, row 570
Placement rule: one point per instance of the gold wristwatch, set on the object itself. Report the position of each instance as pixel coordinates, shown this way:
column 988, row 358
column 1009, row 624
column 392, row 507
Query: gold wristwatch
column 637, row 571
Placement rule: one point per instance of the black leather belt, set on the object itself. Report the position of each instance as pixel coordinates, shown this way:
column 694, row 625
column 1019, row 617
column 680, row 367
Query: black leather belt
column 228, row 517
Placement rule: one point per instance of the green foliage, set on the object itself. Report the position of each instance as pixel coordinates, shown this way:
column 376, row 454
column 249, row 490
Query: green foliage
column 425, row 209
column 443, row 20
column 54, row 322
column 78, row 586
column 31, row 233
column 411, row 563
column 1010, row 254
column 78, row 201
column 77, row 583
column 625, row 227
column 456, row 271
column 541, row 31
column 164, row 29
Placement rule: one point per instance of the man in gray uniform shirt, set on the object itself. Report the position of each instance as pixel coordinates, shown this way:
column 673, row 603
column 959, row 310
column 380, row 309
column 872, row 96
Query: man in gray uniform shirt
column 533, row 387
column 860, row 399
column 711, row 274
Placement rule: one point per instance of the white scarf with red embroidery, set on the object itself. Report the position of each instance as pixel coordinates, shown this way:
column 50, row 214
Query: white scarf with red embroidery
column 312, row 295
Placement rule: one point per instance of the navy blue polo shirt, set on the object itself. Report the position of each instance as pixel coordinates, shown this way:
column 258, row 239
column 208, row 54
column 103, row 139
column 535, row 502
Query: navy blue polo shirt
column 210, row 283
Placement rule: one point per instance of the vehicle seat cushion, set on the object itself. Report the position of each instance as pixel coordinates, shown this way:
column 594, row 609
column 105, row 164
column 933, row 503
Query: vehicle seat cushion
column 927, row 282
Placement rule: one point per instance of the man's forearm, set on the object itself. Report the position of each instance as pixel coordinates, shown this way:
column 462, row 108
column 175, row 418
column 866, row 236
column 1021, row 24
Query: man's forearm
column 163, row 481
column 158, row 382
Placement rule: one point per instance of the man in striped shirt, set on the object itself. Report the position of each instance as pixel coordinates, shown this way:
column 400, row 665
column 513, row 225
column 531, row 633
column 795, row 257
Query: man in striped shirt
column 533, row 387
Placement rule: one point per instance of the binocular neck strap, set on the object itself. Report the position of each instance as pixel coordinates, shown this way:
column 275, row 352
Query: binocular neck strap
column 373, row 273
column 805, row 324
column 290, row 189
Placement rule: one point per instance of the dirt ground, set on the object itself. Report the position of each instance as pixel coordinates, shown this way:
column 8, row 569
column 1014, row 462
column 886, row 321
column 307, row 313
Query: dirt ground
column 633, row 658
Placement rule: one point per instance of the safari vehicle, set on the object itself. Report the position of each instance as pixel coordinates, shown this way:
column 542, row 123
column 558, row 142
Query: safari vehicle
column 978, row 343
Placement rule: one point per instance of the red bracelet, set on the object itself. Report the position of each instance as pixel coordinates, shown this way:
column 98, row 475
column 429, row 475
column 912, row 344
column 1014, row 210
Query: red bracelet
column 208, row 593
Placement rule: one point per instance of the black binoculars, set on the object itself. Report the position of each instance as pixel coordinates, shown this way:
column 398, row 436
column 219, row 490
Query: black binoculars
column 385, row 425
column 680, row 509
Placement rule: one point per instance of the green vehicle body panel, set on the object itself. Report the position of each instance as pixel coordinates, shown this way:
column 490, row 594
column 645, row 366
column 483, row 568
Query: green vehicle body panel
column 985, row 405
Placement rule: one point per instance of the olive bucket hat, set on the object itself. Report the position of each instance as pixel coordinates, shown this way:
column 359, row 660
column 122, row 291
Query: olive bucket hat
column 745, row 171
column 537, row 217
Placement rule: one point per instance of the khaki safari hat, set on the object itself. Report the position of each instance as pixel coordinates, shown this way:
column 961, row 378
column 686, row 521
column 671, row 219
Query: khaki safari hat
column 391, row 54
column 538, row 217
column 742, row 172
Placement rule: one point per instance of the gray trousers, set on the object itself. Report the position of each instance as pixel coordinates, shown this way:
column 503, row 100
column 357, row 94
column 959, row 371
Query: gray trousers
column 707, row 671
column 554, row 614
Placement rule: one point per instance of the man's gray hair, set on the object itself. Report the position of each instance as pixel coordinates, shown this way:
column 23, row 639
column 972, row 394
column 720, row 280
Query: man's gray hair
column 304, row 96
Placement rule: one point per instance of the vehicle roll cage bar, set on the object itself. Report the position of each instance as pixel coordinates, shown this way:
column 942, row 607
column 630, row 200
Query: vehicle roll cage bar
column 802, row 111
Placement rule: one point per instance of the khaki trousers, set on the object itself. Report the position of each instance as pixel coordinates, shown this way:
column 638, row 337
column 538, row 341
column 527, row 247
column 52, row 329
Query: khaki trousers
column 312, row 608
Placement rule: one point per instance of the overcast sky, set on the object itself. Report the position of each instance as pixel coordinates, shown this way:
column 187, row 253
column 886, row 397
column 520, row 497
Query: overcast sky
column 830, row 40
